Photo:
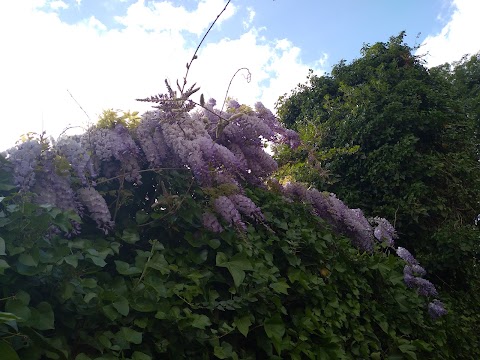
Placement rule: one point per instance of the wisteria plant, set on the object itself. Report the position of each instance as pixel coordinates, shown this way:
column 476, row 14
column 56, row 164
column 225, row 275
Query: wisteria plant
column 168, row 236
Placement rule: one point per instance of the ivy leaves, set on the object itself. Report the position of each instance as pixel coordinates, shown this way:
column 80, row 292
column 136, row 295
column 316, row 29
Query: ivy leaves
column 164, row 287
column 236, row 265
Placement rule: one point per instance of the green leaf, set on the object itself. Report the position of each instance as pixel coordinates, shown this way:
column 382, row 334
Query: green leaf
column 72, row 260
column 6, row 317
column 2, row 246
column 274, row 327
column 110, row 312
column 7, row 351
column 89, row 283
column 201, row 321
column 141, row 322
column 124, row 268
column 23, row 296
column 141, row 217
column 140, row 356
column 159, row 263
column 43, row 343
column 3, row 265
column 243, row 324
column 224, row 351
column 28, row 260
column 121, row 305
column 43, row 317
column 82, row 356
column 18, row 308
column 214, row 243
column 280, row 287
column 89, row 296
column 99, row 261
column 130, row 335
column 130, row 236
column 237, row 266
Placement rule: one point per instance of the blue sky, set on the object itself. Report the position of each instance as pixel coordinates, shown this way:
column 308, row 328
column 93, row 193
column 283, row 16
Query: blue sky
column 106, row 53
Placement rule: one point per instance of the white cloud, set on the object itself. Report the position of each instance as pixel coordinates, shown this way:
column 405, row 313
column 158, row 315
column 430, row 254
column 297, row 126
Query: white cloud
column 104, row 68
column 163, row 16
column 55, row 5
column 249, row 20
column 460, row 36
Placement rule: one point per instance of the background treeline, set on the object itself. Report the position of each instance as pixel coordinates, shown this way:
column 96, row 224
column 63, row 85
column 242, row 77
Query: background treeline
column 397, row 139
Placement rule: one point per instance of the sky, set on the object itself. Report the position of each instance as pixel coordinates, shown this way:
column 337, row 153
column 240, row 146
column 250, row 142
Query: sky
column 62, row 62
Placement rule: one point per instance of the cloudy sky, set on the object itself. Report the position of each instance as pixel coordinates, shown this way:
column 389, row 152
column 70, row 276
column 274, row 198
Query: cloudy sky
column 61, row 56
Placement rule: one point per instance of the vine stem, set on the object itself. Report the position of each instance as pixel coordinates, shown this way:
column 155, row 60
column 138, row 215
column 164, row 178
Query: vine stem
column 249, row 78
column 200, row 44
column 144, row 272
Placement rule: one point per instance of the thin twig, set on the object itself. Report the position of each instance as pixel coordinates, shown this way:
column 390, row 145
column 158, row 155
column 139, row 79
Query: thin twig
column 145, row 268
column 90, row 120
column 142, row 171
column 117, row 203
column 249, row 78
column 175, row 207
column 200, row 44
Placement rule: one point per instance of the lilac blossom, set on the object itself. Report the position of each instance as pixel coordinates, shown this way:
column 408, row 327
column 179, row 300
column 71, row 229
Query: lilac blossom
column 211, row 222
column 416, row 270
column 53, row 186
column 96, row 205
column 436, row 309
column 227, row 210
column 384, row 231
column 24, row 158
column 77, row 156
column 246, row 206
column 233, row 104
column 318, row 201
column 295, row 190
column 115, row 144
column 151, row 139
column 405, row 255
column 425, row 287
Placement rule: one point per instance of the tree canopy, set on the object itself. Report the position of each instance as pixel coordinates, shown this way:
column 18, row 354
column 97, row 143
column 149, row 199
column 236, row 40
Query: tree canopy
column 393, row 137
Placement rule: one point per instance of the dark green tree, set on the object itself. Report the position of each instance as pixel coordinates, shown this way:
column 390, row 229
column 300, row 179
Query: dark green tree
column 417, row 161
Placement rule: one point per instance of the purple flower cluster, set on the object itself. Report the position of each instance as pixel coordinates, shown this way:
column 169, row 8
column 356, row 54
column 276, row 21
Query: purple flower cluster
column 24, row 158
column 406, row 255
column 384, row 231
column 97, row 207
column 151, row 139
column 211, row 222
column 246, row 206
column 350, row 222
column 353, row 223
column 282, row 135
column 412, row 275
column 436, row 309
column 227, row 210
column 77, row 156
column 53, row 186
column 115, row 144
column 413, row 272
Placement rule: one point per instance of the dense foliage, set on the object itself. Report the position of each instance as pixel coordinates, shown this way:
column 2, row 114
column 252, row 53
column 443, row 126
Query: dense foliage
column 158, row 237
column 397, row 139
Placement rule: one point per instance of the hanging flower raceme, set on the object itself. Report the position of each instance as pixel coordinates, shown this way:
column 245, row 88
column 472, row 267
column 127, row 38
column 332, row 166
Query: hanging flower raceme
column 24, row 158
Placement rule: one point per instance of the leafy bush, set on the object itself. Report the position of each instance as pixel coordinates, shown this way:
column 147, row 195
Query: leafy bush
column 161, row 285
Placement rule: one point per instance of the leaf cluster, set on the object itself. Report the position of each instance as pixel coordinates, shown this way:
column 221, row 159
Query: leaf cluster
column 161, row 286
